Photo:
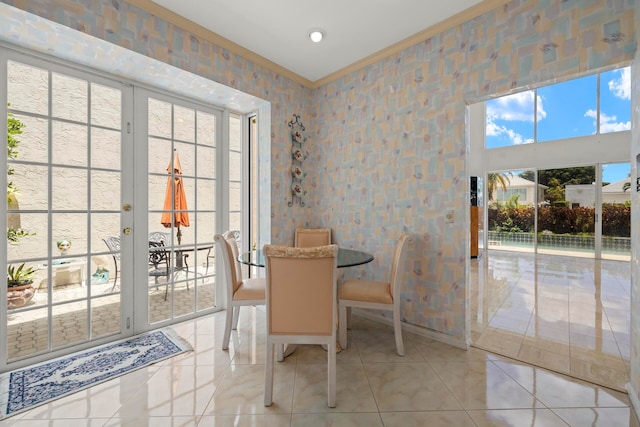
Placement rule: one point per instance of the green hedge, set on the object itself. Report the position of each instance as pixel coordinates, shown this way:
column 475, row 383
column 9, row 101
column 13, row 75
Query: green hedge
column 562, row 219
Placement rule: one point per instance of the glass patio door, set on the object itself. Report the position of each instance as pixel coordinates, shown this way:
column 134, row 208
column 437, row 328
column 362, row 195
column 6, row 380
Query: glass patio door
column 67, row 157
column 177, row 225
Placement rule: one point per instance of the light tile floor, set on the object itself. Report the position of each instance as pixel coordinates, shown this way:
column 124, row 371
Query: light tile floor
column 434, row 384
column 567, row 314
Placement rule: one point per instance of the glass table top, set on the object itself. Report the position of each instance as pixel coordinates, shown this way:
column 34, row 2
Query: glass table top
column 346, row 258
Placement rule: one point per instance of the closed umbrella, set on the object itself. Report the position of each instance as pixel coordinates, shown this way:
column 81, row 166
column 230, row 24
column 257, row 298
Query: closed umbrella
column 175, row 200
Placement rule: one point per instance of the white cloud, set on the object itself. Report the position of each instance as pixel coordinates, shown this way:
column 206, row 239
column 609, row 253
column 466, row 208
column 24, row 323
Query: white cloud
column 621, row 86
column 492, row 129
column 516, row 107
column 608, row 123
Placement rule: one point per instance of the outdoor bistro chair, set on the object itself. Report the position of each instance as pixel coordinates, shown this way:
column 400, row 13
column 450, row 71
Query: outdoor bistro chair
column 113, row 243
column 240, row 292
column 371, row 294
column 160, row 264
column 301, row 305
column 310, row 237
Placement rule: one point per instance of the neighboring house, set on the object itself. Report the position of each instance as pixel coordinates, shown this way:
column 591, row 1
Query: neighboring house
column 584, row 194
column 524, row 188
column 614, row 192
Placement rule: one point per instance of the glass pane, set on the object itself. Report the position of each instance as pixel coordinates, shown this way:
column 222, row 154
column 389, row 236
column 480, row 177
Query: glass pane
column 159, row 118
column 69, row 98
column 186, row 157
column 105, row 106
column 27, row 88
column 69, row 142
column 206, row 158
column 105, row 149
column 511, row 197
column 72, row 228
column 69, row 190
column 159, row 155
column 33, row 142
column 105, row 188
column 509, row 120
column 27, row 333
column 69, row 324
column 32, row 186
column 616, row 211
column 68, row 279
column 566, row 218
column 206, row 194
column 235, row 166
column 31, row 243
column 206, row 129
column 105, row 315
column 568, row 110
column 615, row 100
column 235, row 133
column 184, row 123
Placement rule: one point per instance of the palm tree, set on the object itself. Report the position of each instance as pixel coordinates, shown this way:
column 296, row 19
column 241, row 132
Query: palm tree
column 495, row 179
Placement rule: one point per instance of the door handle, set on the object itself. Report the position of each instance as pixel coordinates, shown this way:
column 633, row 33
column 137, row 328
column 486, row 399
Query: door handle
column 127, row 230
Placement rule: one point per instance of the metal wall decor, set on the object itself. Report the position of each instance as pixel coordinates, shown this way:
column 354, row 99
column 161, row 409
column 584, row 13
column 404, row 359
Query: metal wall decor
column 298, row 154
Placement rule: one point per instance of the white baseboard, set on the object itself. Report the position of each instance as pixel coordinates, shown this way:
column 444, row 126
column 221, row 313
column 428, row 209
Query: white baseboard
column 633, row 397
column 418, row 330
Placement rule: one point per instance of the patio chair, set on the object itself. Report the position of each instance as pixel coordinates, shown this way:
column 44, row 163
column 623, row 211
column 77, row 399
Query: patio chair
column 160, row 265
column 301, row 305
column 113, row 243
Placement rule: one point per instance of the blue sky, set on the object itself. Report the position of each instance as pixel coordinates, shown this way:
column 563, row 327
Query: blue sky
column 510, row 119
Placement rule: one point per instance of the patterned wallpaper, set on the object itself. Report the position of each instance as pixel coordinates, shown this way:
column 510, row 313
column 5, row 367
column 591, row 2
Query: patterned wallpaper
column 392, row 144
column 387, row 143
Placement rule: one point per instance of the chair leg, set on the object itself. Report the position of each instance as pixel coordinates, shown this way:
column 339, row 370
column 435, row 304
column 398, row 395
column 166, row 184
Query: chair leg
column 397, row 331
column 268, row 375
column 280, row 357
column 342, row 325
column 227, row 327
column 349, row 322
column 115, row 280
column 236, row 316
column 331, row 373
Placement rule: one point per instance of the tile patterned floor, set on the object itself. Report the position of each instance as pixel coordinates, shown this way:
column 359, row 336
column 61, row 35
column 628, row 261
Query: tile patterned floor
column 434, row 384
column 567, row 314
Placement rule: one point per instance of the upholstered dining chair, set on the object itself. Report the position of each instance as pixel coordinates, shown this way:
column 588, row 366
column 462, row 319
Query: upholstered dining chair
column 309, row 237
column 240, row 292
column 371, row 294
column 301, row 305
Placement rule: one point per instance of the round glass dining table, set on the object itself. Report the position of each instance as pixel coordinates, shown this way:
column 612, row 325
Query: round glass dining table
column 346, row 258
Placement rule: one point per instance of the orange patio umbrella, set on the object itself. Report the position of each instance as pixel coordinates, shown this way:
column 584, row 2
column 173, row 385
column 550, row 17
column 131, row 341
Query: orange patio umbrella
column 175, row 200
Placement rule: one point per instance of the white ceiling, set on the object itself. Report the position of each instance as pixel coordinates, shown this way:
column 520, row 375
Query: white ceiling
column 278, row 29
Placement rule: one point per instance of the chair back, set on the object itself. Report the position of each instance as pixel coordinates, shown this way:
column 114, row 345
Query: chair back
column 113, row 243
column 301, row 291
column 159, row 255
column 232, row 271
column 159, row 236
column 397, row 265
column 311, row 237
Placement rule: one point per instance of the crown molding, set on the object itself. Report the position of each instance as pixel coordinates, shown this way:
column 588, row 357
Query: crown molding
column 205, row 34
column 458, row 19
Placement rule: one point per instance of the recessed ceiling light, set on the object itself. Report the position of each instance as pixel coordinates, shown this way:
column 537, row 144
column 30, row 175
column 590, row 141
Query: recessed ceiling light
column 316, row 36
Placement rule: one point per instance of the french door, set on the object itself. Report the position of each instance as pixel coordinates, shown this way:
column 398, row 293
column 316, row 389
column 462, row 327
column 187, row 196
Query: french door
column 69, row 153
column 93, row 214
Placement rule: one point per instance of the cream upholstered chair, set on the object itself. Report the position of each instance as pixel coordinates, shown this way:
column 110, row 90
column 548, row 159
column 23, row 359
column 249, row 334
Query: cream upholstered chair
column 373, row 294
column 239, row 291
column 301, row 305
column 309, row 237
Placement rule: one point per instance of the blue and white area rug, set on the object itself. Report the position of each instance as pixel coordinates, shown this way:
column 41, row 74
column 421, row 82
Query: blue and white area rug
column 26, row 388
